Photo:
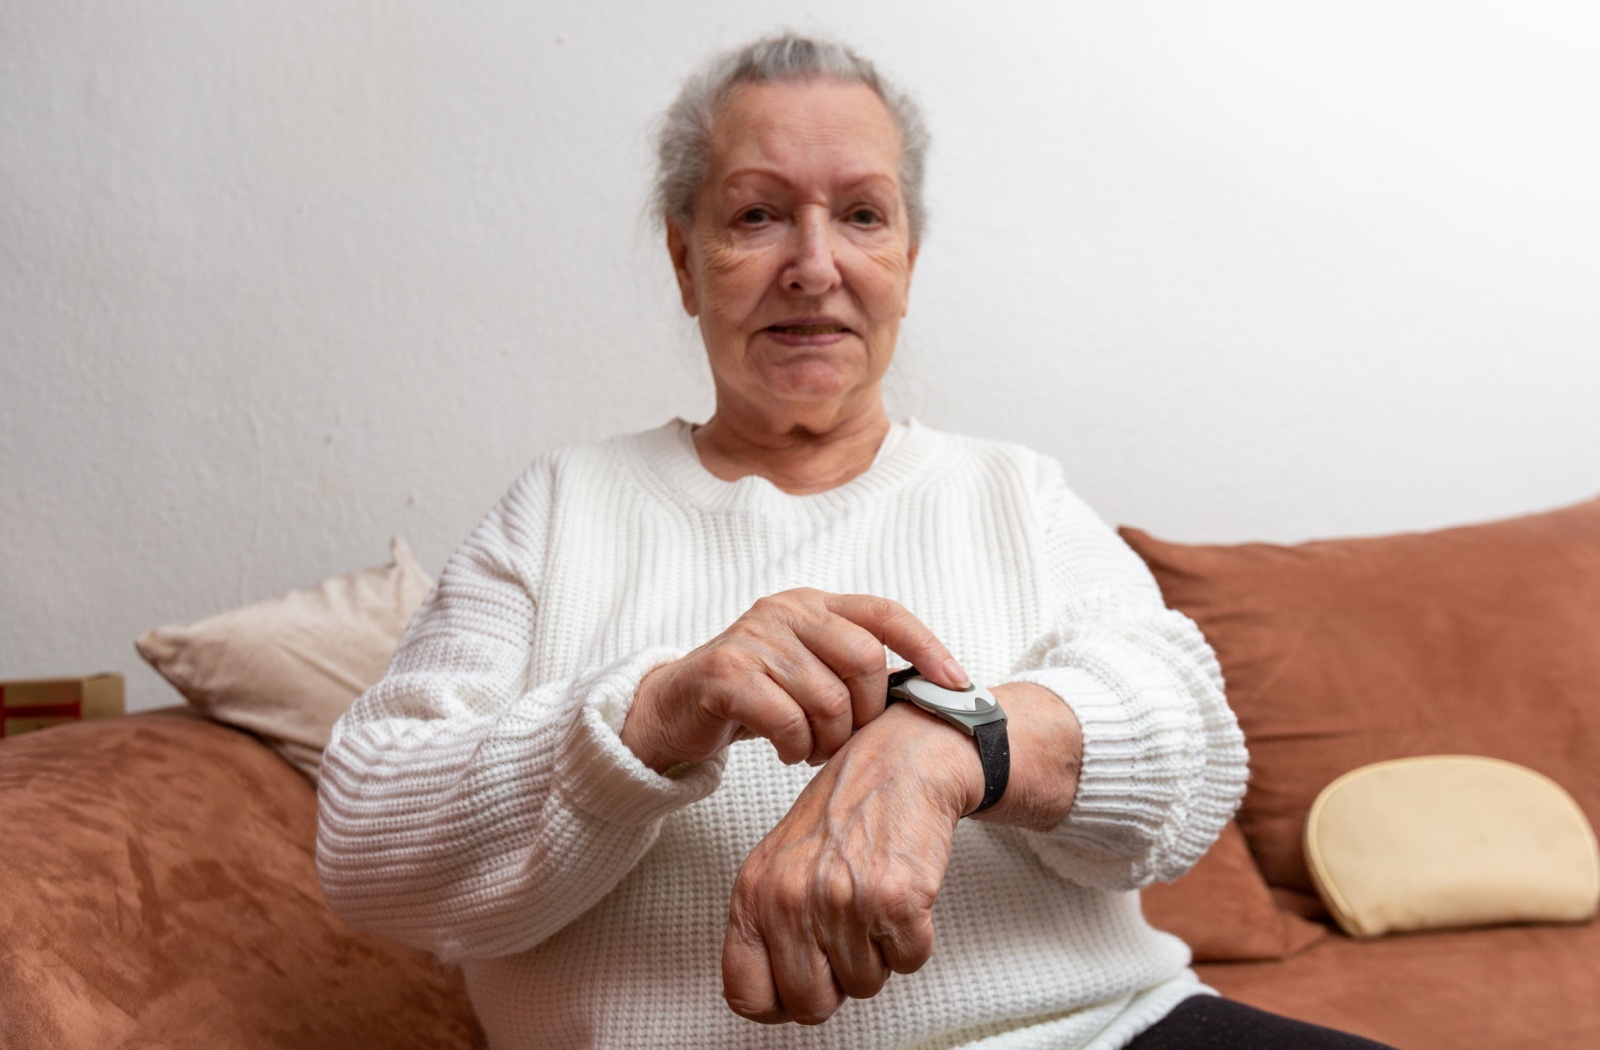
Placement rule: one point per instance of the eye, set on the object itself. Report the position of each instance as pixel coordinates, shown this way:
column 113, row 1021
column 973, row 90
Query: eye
column 755, row 216
column 864, row 216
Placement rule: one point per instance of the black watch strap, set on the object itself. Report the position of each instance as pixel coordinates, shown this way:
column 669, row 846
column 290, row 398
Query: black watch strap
column 901, row 677
column 994, row 751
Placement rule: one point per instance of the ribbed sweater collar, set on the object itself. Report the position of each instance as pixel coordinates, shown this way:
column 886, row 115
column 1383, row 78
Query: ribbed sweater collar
column 667, row 460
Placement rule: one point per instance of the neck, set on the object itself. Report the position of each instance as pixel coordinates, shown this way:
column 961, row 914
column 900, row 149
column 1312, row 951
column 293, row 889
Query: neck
column 797, row 458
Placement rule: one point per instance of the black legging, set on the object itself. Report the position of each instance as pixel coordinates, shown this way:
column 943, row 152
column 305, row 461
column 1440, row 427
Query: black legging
column 1205, row 1022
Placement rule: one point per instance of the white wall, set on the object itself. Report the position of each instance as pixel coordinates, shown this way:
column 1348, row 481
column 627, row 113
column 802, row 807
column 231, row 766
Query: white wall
column 280, row 279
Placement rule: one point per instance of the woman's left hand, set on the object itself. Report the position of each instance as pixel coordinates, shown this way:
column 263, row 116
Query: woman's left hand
column 840, row 893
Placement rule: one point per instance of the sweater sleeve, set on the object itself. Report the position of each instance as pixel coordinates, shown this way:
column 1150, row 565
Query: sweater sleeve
column 1164, row 761
column 467, row 809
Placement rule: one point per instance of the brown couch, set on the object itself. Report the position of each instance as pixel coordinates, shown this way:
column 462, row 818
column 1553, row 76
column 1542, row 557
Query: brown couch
column 158, row 889
column 1482, row 640
column 157, row 885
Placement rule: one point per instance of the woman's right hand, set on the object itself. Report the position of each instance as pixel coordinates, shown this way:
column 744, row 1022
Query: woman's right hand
column 803, row 668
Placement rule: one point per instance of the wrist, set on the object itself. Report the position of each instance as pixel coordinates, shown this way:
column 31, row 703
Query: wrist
column 1046, row 756
column 948, row 755
column 641, row 729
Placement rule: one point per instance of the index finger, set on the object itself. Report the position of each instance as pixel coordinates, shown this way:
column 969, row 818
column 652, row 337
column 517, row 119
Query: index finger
column 904, row 634
column 748, row 986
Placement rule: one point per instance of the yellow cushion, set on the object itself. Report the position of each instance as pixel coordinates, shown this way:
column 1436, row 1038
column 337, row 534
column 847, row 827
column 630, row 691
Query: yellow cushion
column 1448, row 841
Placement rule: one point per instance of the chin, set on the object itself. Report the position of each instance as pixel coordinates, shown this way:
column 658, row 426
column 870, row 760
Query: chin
column 812, row 383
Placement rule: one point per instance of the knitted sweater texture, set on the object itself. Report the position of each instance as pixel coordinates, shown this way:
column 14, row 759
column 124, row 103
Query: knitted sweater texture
column 478, row 802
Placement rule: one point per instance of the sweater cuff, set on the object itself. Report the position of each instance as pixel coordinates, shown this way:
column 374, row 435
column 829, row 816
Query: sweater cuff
column 1136, row 763
column 601, row 776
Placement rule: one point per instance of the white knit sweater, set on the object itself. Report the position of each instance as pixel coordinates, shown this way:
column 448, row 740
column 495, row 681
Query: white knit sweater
column 478, row 802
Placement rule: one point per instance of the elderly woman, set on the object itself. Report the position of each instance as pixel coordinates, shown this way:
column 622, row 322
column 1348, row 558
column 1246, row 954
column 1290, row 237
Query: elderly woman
column 635, row 764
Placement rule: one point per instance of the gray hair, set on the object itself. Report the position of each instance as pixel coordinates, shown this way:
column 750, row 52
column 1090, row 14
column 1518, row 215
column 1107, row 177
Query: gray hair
column 683, row 145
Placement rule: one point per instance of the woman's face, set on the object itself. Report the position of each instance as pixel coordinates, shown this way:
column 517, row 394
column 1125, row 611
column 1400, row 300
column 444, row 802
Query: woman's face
column 798, row 261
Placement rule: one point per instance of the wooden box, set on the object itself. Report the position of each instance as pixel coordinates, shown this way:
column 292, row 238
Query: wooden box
column 38, row 703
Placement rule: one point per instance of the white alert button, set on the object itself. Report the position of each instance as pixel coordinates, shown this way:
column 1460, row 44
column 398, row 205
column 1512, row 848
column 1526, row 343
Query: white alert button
column 969, row 699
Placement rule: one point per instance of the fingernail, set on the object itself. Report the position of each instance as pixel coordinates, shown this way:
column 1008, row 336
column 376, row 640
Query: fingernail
column 954, row 673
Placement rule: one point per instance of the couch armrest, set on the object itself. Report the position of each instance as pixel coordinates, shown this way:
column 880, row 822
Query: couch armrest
column 158, row 886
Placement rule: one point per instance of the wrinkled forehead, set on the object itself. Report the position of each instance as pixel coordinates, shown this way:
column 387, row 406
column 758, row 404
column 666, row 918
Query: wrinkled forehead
column 805, row 129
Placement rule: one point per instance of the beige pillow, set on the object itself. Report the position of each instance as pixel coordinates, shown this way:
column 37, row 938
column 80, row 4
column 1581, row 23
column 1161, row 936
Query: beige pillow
column 287, row 668
column 1447, row 841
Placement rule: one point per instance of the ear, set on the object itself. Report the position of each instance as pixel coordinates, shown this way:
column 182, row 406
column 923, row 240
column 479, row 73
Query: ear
column 911, row 268
column 678, row 249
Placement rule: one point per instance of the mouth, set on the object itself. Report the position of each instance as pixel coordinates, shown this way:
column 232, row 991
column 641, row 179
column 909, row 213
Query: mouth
column 803, row 326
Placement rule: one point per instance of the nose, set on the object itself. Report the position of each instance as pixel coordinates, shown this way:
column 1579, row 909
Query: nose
column 813, row 269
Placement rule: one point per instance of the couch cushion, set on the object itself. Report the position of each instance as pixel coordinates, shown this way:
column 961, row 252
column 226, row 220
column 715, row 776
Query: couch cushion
column 288, row 667
column 1480, row 640
column 1223, row 909
column 158, row 888
column 1508, row 988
